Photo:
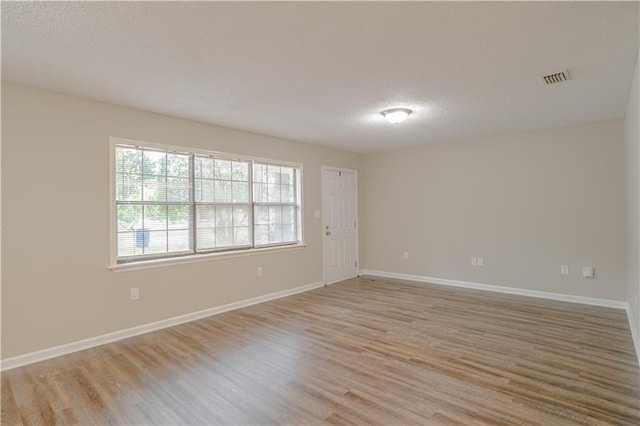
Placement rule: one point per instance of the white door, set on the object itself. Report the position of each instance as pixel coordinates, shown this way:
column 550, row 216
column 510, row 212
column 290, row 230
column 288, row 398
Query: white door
column 339, row 224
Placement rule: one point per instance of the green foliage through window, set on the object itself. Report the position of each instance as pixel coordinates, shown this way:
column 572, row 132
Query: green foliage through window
column 173, row 203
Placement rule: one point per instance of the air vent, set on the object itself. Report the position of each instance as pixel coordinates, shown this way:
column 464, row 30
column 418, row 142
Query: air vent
column 554, row 78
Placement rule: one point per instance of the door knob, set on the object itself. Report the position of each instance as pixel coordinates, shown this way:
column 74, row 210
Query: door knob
column 328, row 232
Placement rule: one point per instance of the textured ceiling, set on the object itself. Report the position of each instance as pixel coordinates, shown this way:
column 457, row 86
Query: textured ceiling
column 321, row 72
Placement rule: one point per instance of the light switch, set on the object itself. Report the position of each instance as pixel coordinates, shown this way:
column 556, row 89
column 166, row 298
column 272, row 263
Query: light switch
column 316, row 214
column 564, row 269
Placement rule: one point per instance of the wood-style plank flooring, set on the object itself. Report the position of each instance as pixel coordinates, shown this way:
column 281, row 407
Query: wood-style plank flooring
column 363, row 351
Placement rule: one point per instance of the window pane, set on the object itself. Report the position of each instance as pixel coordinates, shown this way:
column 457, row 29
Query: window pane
column 224, row 218
column 155, row 218
column 261, row 234
column 288, row 215
column 261, row 215
column 205, row 232
column 156, row 242
column 241, row 236
column 154, row 188
column 273, row 193
column 153, row 229
column 178, row 189
column 277, row 221
column 204, row 190
column 222, row 226
column 260, row 192
column 286, row 192
column 224, row 237
column 205, row 215
column 129, row 217
column 203, row 167
column 154, row 163
column 127, row 244
column 275, row 234
column 241, row 216
column 289, row 233
column 240, row 192
column 179, row 217
column 128, row 160
column 240, row 171
column 178, row 240
column 287, row 174
column 275, row 215
column 260, row 173
column 222, row 191
column 128, row 187
column 274, row 174
column 222, row 169
column 206, row 238
column 178, row 165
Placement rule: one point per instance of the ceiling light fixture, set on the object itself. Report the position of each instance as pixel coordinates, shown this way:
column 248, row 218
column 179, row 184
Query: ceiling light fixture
column 396, row 115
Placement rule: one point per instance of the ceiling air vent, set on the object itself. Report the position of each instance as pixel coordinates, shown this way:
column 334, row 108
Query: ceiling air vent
column 554, row 78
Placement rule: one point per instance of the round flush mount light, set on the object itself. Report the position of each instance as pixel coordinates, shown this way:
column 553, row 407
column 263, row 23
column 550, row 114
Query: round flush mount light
column 396, row 115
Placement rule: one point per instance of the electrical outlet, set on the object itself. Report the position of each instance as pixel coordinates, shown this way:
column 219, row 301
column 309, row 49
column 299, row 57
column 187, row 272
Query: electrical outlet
column 587, row 272
column 135, row 293
column 405, row 255
column 480, row 261
column 259, row 271
column 564, row 269
column 474, row 261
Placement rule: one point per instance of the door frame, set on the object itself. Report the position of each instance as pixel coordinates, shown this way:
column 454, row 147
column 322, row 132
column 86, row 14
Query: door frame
column 322, row 222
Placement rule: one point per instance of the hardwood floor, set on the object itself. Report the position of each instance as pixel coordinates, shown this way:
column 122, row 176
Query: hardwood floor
column 364, row 351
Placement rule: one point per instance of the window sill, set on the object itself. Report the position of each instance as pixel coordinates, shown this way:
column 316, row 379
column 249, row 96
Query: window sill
column 160, row 263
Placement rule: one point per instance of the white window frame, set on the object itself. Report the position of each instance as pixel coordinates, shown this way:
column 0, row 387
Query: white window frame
column 146, row 262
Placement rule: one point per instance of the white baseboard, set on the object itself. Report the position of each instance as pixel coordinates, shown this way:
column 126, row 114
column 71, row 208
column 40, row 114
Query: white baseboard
column 500, row 289
column 634, row 331
column 44, row 354
column 608, row 303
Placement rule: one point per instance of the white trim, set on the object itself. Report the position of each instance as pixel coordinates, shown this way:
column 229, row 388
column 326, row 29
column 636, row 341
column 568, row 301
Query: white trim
column 500, row 289
column 634, row 331
column 112, row 202
column 195, row 258
column 187, row 149
column 339, row 280
column 357, row 218
column 33, row 357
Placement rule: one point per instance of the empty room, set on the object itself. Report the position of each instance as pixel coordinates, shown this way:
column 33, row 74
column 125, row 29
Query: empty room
column 257, row 213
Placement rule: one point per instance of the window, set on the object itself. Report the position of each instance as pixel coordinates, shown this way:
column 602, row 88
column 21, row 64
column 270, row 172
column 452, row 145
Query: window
column 173, row 203
column 274, row 203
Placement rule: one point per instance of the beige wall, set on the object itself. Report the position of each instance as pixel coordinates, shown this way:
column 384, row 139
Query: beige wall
column 632, row 156
column 527, row 203
column 56, row 287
